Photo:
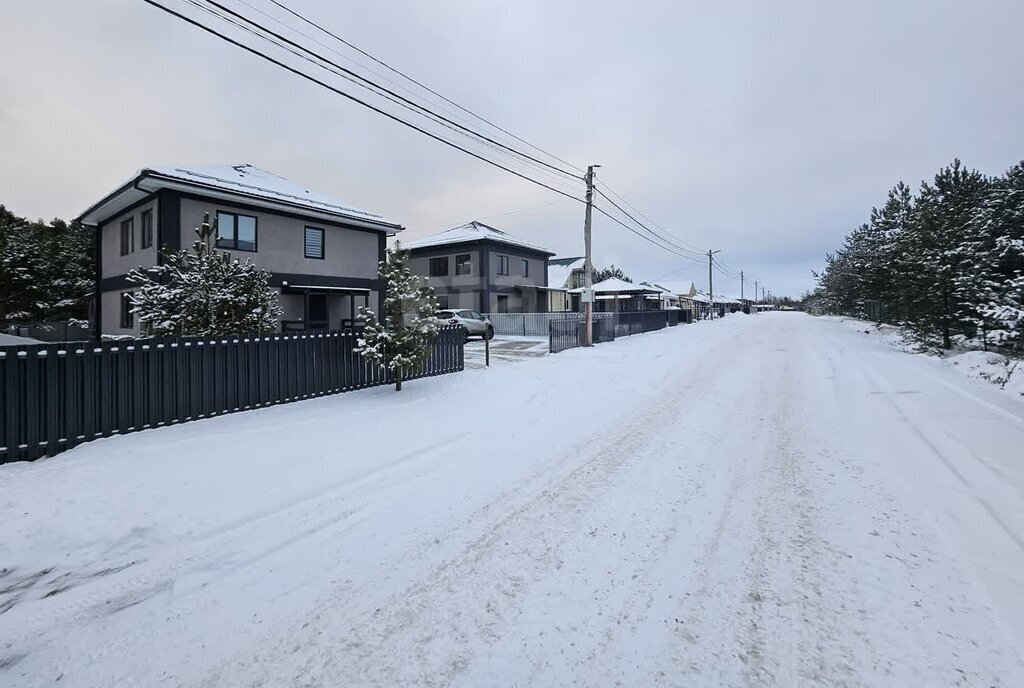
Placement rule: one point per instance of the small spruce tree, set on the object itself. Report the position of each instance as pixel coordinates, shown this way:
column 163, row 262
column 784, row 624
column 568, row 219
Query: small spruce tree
column 392, row 341
column 204, row 291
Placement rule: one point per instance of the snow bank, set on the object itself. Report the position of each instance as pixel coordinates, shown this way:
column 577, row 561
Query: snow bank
column 989, row 367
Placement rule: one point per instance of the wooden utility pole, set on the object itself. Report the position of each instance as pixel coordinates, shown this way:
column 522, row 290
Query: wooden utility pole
column 756, row 301
column 742, row 299
column 711, row 285
column 588, row 266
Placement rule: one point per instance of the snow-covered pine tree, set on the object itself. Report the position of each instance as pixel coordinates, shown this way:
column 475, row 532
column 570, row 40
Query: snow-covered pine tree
column 391, row 340
column 945, row 292
column 47, row 270
column 1000, row 228
column 204, row 291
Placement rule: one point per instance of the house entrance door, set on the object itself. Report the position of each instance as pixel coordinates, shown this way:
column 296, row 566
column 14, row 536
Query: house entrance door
column 316, row 312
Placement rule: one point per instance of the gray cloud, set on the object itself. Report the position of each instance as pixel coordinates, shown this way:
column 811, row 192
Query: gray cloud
column 767, row 130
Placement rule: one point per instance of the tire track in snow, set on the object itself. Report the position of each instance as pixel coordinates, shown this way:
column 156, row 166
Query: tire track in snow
column 216, row 551
column 434, row 624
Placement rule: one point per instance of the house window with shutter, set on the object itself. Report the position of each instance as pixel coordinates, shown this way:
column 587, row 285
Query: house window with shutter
column 313, row 242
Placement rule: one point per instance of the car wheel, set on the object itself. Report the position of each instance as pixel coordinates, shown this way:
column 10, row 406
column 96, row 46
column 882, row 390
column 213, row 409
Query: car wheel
column 490, row 333
column 465, row 334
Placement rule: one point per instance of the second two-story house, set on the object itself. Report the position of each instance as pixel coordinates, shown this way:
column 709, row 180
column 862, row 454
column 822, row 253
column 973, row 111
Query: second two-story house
column 322, row 254
column 481, row 268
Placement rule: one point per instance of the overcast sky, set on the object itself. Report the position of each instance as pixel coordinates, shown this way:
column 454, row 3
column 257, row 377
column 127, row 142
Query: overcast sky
column 764, row 129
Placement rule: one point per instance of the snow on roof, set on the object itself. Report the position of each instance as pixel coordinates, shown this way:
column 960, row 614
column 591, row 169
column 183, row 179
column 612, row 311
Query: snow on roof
column 559, row 270
column 254, row 181
column 473, row 231
column 614, row 285
column 680, row 288
column 702, row 297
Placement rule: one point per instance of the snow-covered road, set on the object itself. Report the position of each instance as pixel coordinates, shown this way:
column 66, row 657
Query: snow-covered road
column 767, row 501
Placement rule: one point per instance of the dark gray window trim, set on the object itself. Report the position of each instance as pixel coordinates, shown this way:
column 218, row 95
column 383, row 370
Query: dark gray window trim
column 323, row 242
column 431, row 262
column 526, row 266
column 127, row 236
column 464, row 259
column 502, row 262
column 234, row 247
column 148, row 213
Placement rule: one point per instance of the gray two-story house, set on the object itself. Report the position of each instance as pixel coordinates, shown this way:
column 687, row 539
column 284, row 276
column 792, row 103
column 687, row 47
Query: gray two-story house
column 322, row 254
column 481, row 268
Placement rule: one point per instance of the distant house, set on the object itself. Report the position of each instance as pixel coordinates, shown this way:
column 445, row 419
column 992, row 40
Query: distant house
column 616, row 295
column 667, row 298
column 321, row 253
column 565, row 274
column 481, row 268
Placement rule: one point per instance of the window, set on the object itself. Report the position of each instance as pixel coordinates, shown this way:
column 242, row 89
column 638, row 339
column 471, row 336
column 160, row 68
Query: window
column 442, row 302
column 127, row 317
column 526, row 268
column 463, row 264
column 439, row 267
column 147, row 229
column 127, row 236
column 502, row 265
column 313, row 243
column 502, row 304
column 236, row 231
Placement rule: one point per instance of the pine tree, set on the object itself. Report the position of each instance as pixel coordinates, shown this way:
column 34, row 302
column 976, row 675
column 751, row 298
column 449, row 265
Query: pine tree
column 204, row 291
column 1000, row 245
column 394, row 342
column 47, row 270
column 608, row 273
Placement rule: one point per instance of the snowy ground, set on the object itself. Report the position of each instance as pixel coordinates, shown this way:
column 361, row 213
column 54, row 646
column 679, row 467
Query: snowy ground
column 769, row 500
column 1005, row 373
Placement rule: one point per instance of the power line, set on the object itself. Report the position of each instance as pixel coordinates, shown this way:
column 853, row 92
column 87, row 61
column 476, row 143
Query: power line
column 611, row 217
column 421, row 85
column 641, row 224
column 383, row 89
column 648, row 218
column 491, row 217
column 351, row 97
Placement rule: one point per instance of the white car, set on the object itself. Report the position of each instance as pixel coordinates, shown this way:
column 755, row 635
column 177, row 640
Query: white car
column 472, row 322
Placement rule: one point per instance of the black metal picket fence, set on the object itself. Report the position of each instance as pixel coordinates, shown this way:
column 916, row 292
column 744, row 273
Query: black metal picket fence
column 56, row 396
column 627, row 324
column 565, row 334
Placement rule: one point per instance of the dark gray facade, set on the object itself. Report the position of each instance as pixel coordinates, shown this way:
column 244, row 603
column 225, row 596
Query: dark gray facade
column 319, row 291
column 485, row 289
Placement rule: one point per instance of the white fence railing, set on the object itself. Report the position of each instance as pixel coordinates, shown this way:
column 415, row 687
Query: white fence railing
column 531, row 324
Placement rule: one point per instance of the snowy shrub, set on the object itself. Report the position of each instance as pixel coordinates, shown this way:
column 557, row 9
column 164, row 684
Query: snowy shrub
column 391, row 340
column 204, row 291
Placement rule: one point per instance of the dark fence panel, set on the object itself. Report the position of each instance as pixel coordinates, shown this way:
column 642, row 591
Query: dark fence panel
column 637, row 322
column 603, row 330
column 56, row 396
column 565, row 334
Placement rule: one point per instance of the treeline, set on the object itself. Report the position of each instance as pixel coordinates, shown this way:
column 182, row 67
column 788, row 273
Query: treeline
column 947, row 263
column 47, row 270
